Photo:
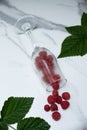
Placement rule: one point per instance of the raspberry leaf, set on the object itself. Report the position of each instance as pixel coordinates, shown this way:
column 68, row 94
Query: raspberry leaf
column 80, row 31
column 3, row 126
column 76, row 43
column 15, row 108
column 73, row 45
column 33, row 124
column 84, row 19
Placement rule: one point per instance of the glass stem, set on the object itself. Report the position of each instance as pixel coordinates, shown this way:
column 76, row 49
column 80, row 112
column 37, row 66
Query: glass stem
column 32, row 39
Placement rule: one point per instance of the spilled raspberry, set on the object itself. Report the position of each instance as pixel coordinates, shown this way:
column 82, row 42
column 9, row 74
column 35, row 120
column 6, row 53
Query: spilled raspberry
column 56, row 116
column 65, row 104
column 66, row 95
column 53, row 107
column 47, row 107
column 59, row 99
column 55, row 93
column 55, row 85
column 51, row 99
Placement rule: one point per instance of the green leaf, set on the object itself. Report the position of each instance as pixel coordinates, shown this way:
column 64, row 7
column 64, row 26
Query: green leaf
column 15, row 108
column 3, row 126
column 72, row 46
column 33, row 124
column 77, row 30
column 84, row 19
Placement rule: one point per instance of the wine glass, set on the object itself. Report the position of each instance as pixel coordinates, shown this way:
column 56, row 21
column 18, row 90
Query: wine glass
column 43, row 60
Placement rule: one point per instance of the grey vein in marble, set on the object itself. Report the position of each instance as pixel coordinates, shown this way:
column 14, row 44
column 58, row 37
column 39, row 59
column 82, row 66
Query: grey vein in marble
column 6, row 2
column 6, row 13
column 82, row 6
column 35, row 21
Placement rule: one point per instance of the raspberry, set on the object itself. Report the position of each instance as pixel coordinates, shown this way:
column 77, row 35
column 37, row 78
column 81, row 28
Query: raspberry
column 44, row 70
column 66, row 95
column 56, row 116
column 38, row 62
column 59, row 99
column 55, row 98
column 56, row 77
column 55, row 93
column 47, row 107
column 46, row 79
column 49, row 58
column 53, row 107
column 65, row 104
column 52, row 72
column 55, row 85
column 43, row 54
column 51, row 99
column 50, row 64
column 47, row 75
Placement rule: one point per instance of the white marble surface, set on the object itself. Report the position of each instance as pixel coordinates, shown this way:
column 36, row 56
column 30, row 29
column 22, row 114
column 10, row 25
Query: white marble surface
column 17, row 74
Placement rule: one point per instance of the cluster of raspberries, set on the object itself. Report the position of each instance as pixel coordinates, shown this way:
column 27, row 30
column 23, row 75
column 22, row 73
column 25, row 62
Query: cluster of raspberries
column 44, row 62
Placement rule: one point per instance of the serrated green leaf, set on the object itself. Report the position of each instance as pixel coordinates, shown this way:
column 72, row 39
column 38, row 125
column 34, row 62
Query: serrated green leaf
column 3, row 126
column 84, row 19
column 15, row 108
column 33, row 124
column 73, row 46
column 77, row 30
column 76, row 43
